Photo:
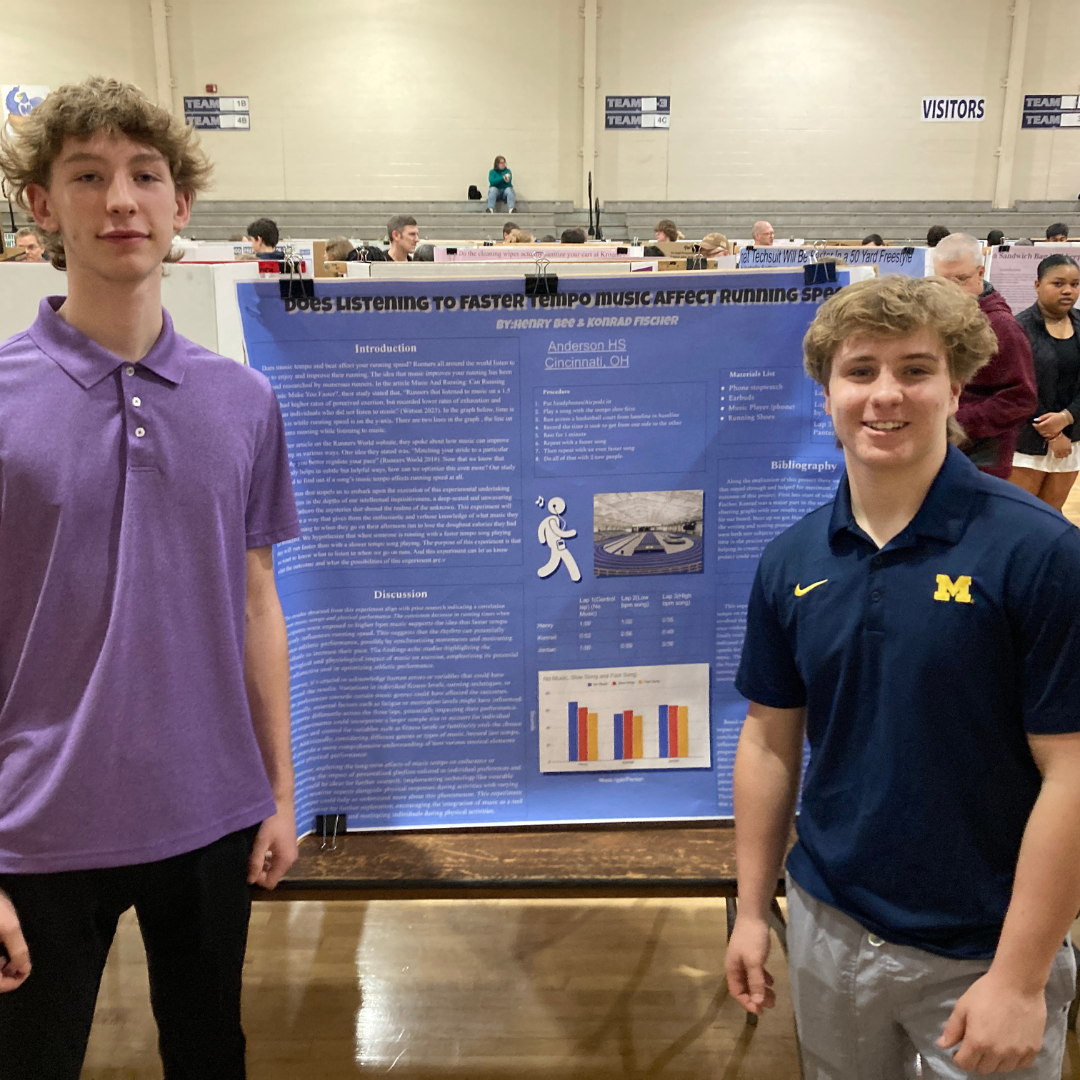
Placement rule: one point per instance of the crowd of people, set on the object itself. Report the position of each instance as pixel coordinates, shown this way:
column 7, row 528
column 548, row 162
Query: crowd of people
column 919, row 630
column 1017, row 414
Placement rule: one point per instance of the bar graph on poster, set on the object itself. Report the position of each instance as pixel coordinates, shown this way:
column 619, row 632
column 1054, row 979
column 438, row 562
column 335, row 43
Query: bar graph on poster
column 648, row 717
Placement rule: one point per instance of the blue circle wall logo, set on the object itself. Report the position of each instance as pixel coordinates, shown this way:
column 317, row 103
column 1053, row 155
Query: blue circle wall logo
column 21, row 101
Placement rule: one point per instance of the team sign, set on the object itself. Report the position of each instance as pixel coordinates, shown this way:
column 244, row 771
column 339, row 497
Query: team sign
column 637, row 112
column 1051, row 111
column 953, row 108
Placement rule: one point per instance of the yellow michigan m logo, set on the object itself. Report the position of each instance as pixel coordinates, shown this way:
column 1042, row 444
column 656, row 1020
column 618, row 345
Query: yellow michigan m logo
column 958, row 590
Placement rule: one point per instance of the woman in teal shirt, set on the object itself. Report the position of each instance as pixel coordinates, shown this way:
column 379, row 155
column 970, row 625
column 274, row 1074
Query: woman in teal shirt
column 500, row 186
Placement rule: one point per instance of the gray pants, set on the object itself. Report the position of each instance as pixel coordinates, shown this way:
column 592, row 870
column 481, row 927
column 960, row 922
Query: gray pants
column 864, row 1007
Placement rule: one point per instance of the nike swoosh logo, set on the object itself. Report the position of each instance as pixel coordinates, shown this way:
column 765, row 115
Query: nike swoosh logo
column 800, row 591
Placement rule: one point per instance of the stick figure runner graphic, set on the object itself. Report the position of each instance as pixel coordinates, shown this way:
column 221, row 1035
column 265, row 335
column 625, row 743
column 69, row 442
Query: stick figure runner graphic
column 554, row 533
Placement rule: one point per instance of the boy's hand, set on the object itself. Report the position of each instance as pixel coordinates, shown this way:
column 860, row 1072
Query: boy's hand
column 998, row 1027
column 748, row 981
column 15, row 965
column 275, row 848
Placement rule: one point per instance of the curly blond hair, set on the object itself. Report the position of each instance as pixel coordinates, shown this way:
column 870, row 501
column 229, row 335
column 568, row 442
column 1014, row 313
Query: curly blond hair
column 80, row 111
column 897, row 306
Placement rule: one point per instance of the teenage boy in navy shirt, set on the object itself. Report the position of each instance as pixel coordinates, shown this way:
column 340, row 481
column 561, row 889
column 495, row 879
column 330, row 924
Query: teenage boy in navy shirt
column 922, row 631
column 144, row 682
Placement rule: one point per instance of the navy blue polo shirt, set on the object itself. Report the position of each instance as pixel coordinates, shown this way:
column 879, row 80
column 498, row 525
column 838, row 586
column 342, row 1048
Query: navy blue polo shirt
column 923, row 667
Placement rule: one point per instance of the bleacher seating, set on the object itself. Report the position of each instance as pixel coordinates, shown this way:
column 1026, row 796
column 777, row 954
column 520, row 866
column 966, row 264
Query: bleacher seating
column 898, row 221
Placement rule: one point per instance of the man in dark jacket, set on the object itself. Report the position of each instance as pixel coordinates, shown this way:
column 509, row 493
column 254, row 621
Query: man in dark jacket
column 1001, row 397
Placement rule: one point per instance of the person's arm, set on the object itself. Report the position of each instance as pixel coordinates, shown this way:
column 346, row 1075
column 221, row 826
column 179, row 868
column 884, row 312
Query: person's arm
column 15, row 965
column 266, row 677
column 999, row 1021
column 1011, row 375
column 768, row 766
column 1050, row 425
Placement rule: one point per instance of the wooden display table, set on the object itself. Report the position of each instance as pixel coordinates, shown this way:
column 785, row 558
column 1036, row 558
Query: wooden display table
column 530, row 862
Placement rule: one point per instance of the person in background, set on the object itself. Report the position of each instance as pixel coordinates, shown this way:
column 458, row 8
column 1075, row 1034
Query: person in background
column 424, row 253
column 404, row 236
column 920, row 630
column 32, row 241
column 572, row 236
column 1058, row 233
column 935, row 234
column 873, row 240
column 995, row 237
column 666, row 231
column 1047, row 456
column 713, row 245
column 500, row 186
column 263, row 236
column 548, row 239
column 338, row 249
column 763, row 234
column 1001, row 397
column 521, row 236
column 146, row 480
column 508, row 228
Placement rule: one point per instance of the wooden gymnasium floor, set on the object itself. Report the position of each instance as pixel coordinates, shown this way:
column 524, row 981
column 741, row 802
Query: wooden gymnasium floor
column 478, row 990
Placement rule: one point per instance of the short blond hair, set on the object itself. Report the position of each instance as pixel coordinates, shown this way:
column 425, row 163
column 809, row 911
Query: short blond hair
column 520, row 236
column 80, row 111
column 897, row 306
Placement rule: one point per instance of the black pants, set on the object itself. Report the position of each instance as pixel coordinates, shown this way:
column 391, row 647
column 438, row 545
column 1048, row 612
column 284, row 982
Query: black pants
column 193, row 912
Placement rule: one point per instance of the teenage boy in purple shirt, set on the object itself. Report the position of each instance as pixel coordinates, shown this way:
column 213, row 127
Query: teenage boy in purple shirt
column 144, row 681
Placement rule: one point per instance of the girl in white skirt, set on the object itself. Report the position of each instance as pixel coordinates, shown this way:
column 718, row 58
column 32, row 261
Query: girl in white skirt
column 1047, row 457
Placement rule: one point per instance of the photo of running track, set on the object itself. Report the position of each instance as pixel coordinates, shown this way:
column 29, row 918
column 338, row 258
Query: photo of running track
column 647, row 532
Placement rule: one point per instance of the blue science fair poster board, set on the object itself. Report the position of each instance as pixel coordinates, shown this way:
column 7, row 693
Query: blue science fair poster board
column 530, row 526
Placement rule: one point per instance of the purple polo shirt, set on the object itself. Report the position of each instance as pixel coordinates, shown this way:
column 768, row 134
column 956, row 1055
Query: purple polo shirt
column 129, row 495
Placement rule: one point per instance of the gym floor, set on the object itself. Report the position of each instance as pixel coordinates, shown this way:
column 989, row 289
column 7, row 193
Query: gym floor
column 478, row 990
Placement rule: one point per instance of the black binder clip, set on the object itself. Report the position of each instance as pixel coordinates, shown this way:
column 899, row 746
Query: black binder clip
column 697, row 262
column 541, row 283
column 293, row 283
column 328, row 826
column 819, row 271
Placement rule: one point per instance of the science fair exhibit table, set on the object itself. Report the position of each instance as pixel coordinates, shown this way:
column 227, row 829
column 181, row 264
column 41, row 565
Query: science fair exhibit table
column 530, row 527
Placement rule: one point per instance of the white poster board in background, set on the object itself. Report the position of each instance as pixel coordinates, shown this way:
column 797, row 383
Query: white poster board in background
column 1012, row 270
column 200, row 299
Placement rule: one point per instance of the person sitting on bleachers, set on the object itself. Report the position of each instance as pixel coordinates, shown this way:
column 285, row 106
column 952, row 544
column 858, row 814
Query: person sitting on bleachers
column 713, row 245
column 263, row 235
column 763, row 234
column 500, row 186
column 32, row 241
column 573, row 236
